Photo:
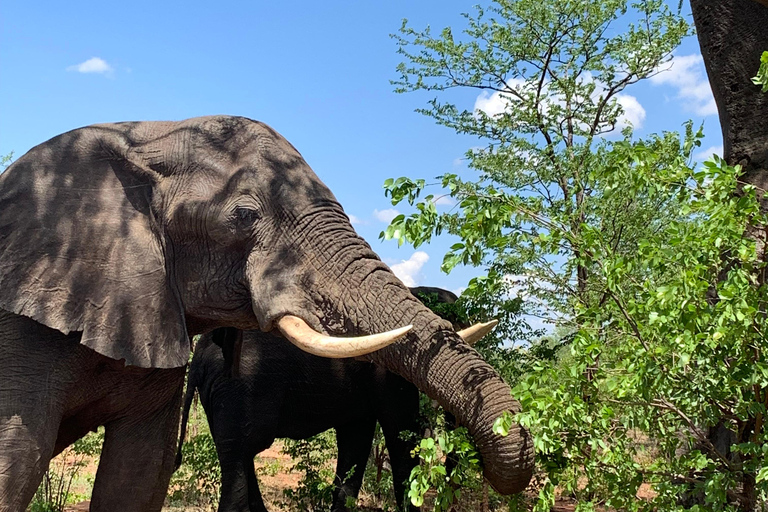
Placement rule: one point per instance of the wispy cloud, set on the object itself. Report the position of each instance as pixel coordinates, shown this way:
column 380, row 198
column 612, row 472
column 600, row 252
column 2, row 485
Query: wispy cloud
column 355, row 220
column 92, row 65
column 386, row 215
column 706, row 154
column 686, row 73
column 408, row 271
column 497, row 103
column 444, row 200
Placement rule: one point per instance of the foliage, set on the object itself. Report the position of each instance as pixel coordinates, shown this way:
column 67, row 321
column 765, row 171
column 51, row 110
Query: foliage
column 377, row 480
column 554, row 74
column 6, row 160
column 454, row 312
column 676, row 347
column 636, row 255
column 433, row 472
column 761, row 78
column 54, row 492
column 311, row 457
column 198, row 479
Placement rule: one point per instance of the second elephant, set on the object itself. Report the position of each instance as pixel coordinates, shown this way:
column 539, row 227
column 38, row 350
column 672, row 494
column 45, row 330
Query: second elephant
column 283, row 392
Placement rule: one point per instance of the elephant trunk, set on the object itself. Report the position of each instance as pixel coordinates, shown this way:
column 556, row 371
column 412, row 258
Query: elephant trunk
column 454, row 374
column 434, row 358
column 341, row 287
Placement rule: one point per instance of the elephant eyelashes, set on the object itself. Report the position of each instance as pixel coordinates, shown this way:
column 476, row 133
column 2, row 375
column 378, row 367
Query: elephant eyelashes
column 246, row 216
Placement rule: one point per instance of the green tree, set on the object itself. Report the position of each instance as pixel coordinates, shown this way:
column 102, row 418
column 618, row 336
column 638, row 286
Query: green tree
column 637, row 254
column 555, row 74
column 676, row 349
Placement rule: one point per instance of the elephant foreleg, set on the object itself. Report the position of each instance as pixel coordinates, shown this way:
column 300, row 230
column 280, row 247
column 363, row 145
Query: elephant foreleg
column 138, row 456
column 25, row 451
column 239, row 488
column 399, row 419
column 34, row 386
column 255, row 501
column 354, row 441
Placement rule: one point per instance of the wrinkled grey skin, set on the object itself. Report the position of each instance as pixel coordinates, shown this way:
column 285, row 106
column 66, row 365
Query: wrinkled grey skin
column 119, row 241
column 280, row 391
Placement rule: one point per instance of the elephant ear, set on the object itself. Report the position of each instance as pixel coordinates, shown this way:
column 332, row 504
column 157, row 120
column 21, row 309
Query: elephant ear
column 80, row 250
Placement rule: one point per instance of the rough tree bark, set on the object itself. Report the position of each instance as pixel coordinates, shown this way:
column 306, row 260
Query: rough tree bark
column 732, row 36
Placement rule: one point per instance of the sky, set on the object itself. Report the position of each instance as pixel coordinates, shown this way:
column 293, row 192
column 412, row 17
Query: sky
column 317, row 72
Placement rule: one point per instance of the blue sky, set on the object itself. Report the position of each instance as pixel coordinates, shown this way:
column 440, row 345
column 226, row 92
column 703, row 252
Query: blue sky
column 318, row 72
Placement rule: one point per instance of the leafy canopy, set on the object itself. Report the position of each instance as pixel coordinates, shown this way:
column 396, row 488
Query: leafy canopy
column 552, row 75
column 636, row 253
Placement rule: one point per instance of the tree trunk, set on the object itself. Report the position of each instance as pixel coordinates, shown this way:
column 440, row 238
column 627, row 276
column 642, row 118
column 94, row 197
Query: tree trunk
column 732, row 35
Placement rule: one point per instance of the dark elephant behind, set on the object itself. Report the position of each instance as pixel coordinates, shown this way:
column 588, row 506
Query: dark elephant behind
column 280, row 391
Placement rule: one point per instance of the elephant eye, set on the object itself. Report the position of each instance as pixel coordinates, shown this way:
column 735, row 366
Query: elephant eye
column 246, row 216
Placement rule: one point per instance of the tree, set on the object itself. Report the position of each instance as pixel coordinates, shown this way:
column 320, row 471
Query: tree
column 621, row 240
column 732, row 35
column 553, row 74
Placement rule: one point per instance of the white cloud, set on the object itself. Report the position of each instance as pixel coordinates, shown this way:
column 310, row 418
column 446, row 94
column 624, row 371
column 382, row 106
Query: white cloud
column 458, row 291
column 496, row 103
column 92, row 65
column 634, row 113
column 492, row 104
column 355, row 220
column 706, row 154
column 386, row 215
column 408, row 270
column 686, row 73
column 445, row 200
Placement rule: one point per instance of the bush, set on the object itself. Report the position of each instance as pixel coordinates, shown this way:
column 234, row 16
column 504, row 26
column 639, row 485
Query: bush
column 197, row 481
column 311, row 457
column 54, row 492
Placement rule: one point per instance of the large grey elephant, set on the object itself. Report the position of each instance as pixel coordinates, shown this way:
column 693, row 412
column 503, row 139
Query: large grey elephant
column 120, row 241
column 278, row 390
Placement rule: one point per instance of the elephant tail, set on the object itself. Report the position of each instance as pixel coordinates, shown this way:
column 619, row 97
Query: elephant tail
column 189, row 395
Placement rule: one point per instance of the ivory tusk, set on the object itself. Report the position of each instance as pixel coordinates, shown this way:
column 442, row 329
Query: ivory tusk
column 307, row 339
column 476, row 332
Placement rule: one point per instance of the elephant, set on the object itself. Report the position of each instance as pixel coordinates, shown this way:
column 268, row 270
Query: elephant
column 118, row 242
column 281, row 391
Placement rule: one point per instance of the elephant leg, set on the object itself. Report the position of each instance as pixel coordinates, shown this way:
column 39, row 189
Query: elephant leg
column 34, row 386
column 27, row 449
column 255, row 500
column 354, row 441
column 398, row 410
column 402, row 462
column 236, row 490
column 137, row 458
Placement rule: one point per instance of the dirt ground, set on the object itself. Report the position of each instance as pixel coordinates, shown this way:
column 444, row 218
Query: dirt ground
column 272, row 467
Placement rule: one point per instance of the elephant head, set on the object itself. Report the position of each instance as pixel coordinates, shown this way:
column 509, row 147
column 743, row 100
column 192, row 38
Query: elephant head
column 141, row 234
